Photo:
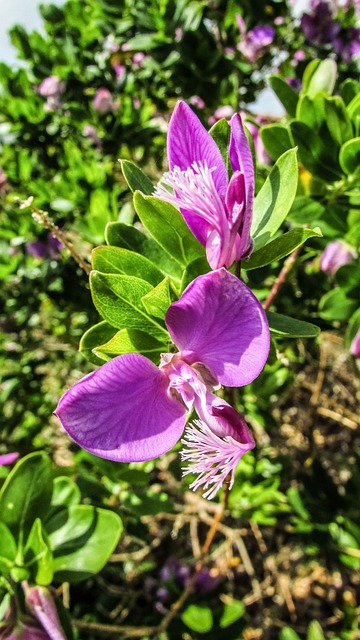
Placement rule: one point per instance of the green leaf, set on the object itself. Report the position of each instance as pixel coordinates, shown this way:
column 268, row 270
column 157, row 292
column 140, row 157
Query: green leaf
column 220, row 132
column 131, row 341
column 349, row 156
column 193, row 270
column 337, row 120
column 336, row 305
column 305, row 210
column 135, row 178
column 118, row 299
column 159, row 299
column 286, row 94
column 280, row 247
column 65, row 492
column 117, row 260
column 276, row 139
column 168, row 228
column 93, row 337
column 319, row 75
column 198, row 618
column 26, row 492
column 82, row 539
column 233, row 611
column 314, row 152
column 38, row 556
column 287, row 633
column 274, row 199
column 285, row 327
column 315, row 631
column 8, row 548
column 122, row 235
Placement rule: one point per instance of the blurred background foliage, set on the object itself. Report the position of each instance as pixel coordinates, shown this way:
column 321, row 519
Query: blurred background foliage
column 98, row 84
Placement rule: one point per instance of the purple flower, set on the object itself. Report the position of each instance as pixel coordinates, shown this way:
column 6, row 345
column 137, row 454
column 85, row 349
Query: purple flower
column 348, row 46
column 319, row 27
column 8, row 458
column 253, row 42
column 50, row 248
column 131, row 410
column 355, row 346
column 335, row 255
column 41, row 621
column 218, row 211
column 103, row 101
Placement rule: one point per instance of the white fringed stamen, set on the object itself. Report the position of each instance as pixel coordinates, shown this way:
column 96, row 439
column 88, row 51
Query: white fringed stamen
column 193, row 190
column 212, row 457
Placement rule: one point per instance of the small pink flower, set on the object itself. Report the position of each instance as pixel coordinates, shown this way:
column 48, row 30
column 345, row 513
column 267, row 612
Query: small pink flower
column 91, row 133
column 119, row 71
column 8, row 458
column 355, row 346
column 197, row 102
column 335, row 255
column 226, row 111
column 51, row 87
column 103, row 101
column 3, row 183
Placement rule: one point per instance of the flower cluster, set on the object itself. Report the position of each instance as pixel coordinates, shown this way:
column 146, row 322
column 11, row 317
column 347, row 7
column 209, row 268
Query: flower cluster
column 253, row 43
column 132, row 410
column 52, row 88
column 320, row 26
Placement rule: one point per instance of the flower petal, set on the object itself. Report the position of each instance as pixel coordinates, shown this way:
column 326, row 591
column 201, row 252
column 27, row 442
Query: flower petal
column 188, row 142
column 218, row 321
column 123, row 411
column 8, row 458
column 241, row 160
column 41, row 604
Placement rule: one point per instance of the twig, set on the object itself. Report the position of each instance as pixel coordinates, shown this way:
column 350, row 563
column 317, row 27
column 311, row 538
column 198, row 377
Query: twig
column 289, row 263
column 337, row 417
column 177, row 606
column 42, row 217
column 112, row 629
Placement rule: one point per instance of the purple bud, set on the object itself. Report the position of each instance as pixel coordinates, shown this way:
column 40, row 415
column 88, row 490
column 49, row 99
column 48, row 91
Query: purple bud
column 335, row 255
column 41, row 605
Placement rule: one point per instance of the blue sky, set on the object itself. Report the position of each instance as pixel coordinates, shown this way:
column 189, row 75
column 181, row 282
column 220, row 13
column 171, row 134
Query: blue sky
column 12, row 12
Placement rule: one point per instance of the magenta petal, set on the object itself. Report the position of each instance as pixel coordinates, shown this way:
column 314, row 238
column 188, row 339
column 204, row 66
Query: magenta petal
column 241, row 216
column 241, row 160
column 123, row 411
column 218, row 321
column 8, row 458
column 188, row 142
